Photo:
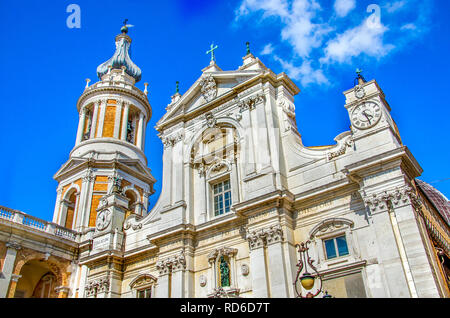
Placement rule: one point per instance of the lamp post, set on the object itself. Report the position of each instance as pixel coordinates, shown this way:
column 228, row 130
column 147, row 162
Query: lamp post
column 307, row 279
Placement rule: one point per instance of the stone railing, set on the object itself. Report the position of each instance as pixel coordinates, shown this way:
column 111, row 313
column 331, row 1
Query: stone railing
column 24, row 219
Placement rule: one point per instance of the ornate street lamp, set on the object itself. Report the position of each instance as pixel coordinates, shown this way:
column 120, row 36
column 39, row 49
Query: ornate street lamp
column 307, row 280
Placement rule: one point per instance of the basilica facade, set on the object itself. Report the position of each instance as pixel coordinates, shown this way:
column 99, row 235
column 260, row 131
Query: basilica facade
column 245, row 210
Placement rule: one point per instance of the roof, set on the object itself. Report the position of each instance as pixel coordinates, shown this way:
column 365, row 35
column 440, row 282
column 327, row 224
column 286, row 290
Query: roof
column 439, row 201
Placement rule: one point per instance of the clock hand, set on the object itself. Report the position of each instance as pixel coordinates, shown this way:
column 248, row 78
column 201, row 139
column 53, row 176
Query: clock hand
column 367, row 116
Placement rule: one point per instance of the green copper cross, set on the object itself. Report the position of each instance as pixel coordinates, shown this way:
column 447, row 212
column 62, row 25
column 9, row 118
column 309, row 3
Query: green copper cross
column 359, row 71
column 248, row 47
column 212, row 51
column 177, row 90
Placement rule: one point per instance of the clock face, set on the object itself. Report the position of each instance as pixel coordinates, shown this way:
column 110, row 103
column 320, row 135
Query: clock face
column 366, row 115
column 360, row 92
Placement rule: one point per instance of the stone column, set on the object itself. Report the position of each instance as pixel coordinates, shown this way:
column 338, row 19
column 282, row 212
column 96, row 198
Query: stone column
column 172, row 276
column 123, row 133
column 117, row 119
column 277, row 268
column 258, row 266
column 81, row 122
column 63, row 291
column 164, row 279
column 101, row 118
column 404, row 206
column 12, row 287
column 94, row 120
column 140, row 133
column 261, row 139
column 59, row 191
column 393, row 267
column 8, row 268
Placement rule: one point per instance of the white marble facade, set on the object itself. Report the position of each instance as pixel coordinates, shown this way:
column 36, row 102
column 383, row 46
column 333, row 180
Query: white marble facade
column 238, row 129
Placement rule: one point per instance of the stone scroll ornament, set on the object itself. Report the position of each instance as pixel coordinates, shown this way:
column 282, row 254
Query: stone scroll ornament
column 208, row 88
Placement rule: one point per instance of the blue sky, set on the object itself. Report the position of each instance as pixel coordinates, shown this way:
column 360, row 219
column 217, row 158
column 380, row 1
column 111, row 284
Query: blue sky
column 403, row 44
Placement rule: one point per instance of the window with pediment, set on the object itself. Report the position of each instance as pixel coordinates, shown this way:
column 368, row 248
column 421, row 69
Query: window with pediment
column 333, row 238
column 214, row 159
column 143, row 286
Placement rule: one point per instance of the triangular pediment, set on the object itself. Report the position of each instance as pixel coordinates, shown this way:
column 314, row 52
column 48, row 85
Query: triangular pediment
column 207, row 88
column 70, row 165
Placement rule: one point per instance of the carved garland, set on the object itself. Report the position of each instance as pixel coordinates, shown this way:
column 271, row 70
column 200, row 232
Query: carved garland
column 342, row 150
column 265, row 236
column 251, row 102
column 218, row 252
column 398, row 196
column 171, row 264
column 97, row 286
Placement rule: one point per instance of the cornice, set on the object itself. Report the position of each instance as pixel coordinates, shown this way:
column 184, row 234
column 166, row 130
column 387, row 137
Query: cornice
column 134, row 92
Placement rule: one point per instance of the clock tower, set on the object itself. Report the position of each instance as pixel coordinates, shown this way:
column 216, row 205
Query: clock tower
column 370, row 116
column 106, row 177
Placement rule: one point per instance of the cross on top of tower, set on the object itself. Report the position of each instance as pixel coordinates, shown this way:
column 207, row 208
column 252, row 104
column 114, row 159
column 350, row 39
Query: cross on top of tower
column 213, row 48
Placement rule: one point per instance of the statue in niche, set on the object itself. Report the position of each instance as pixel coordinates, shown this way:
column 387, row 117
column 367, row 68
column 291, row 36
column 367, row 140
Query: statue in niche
column 130, row 131
column 224, row 272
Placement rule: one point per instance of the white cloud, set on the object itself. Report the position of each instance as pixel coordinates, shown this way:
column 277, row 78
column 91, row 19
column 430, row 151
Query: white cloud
column 343, row 7
column 304, row 73
column 395, row 6
column 267, row 50
column 317, row 40
column 367, row 38
column 409, row 26
column 299, row 27
column 270, row 7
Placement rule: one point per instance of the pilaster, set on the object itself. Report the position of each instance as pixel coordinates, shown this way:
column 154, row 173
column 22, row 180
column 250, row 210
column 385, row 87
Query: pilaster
column 8, row 267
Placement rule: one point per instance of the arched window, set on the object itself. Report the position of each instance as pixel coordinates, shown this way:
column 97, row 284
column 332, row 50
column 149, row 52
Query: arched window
column 132, row 200
column 68, row 208
column 143, row 286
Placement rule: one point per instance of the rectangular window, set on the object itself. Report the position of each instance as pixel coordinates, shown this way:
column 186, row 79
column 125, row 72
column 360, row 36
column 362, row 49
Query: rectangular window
column 336, row 247
column 222, row 197
column 144, row 293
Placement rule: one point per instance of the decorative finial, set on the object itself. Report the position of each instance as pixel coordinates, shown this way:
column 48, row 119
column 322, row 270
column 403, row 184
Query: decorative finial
column 87, row 82
column 359, row 78
column 145, row 90
column 177, row 87
column 124, row 28
column 213, row 58
column 248, row 47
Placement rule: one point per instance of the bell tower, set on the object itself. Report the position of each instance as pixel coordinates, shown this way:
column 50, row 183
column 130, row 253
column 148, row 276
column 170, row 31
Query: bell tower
column 107, row 168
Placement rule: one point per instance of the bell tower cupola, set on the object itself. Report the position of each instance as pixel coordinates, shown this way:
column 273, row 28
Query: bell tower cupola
column 109, row 145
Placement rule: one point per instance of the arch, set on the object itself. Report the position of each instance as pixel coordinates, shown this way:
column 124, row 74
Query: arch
column 330, row 224
column 220, row 122
column 143, row 286
column 141, row 279
column 135, row 192
column 50, row 263
column 69, row 206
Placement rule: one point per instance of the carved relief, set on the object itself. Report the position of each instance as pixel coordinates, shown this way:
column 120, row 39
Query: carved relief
column 397, row 197
column 218, row 252
column 208, row 88
column 173, row 139
column 288, row 114
column 245, row 269
column 251, row 102
column 171, row 264
column 210, row 120
column 202, row 280
column 265, row 236
column 342, row 150
column 97, row 286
